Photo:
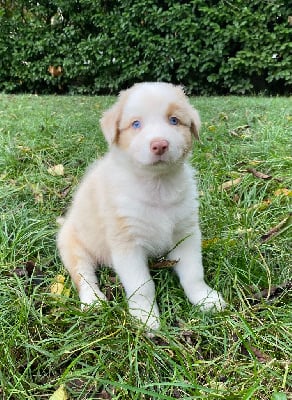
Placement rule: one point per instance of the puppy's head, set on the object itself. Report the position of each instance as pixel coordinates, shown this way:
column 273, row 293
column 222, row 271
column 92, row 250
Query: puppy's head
column 153, row 123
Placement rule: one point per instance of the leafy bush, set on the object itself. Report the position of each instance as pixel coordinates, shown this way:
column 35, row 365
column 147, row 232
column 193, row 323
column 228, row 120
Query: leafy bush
column 212, row 46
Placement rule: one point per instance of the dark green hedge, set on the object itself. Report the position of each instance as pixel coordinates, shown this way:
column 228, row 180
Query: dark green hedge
column 211, row 46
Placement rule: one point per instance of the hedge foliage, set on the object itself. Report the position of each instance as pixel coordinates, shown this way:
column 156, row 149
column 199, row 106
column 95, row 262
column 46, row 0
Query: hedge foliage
column 102, row 46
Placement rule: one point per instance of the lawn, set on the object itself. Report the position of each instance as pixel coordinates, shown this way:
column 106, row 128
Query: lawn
column 244, row 163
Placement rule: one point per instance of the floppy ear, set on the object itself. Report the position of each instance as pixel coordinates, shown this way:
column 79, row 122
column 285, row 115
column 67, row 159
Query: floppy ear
column 195, row 123
column 110, row 120
column 195, row 118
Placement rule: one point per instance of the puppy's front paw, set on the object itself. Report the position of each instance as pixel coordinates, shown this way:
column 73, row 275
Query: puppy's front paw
column 207, row 299
column 145, row 313
column 213, row 302
column 88, row 296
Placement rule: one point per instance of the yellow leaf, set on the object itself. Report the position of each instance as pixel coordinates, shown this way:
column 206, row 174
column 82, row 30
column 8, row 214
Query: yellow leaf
column 57, row 286
column 223, row 116
column 56, row 170
column 60, row 278
column 24, row 149
column 229, row 184
column 263, row 205
column 240, row 131
column 208, row 242
column 283, row 192
column 255, row 162
column 242, row 231
column 60, row 394
column 212, row 128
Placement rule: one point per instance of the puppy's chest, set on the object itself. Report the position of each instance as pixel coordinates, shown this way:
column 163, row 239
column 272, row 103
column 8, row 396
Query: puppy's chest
column 153, row 221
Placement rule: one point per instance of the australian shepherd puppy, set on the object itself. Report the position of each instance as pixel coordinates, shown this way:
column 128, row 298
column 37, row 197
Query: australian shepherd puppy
column 139, row 201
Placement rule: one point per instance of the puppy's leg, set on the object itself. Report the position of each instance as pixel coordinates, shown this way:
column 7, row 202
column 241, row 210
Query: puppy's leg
column 80, row 266
column 88, row 289
column 191, row 274
column 131, row 266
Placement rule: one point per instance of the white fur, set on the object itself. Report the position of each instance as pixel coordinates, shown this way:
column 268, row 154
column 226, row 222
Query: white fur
column 133, row 204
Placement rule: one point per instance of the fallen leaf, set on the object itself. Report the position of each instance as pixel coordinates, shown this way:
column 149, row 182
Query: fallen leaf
column 177, row 393
column 32, row 275
column 104, row 395
column 262, row 205
column 236, row 198
column 283, row 192
column 271, row 293
column 75, row 383
column 24, row 149
column 258, row 174
column 60, row 394
column 30, row 267
column 56, row 170
column 163, row 263
column 243, row 231
column 223, row 116
column 212, row 128
column 262, row 357
column 280, row 227
column 239, row 130
column 255, row 162
column 208, row 242
column 37, row 192
column 57, row 286
column 80, row 139
column 246, row 348
column 188, row 337
column 25, row 272
column 229, row 184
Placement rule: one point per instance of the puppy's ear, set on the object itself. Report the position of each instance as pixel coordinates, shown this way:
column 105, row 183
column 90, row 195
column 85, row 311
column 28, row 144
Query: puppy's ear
column 195, row 123
column 110, row 120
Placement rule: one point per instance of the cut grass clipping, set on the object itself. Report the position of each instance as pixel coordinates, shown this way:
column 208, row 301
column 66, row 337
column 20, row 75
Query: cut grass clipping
column 50, row 349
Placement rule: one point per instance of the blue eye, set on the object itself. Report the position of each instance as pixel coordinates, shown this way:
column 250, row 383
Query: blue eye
column 136, row 124
column 173, row 120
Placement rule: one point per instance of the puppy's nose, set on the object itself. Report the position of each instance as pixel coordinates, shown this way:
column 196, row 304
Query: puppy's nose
column 159, row 147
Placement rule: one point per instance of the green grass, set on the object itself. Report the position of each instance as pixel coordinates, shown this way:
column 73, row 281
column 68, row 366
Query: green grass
column 46, row 341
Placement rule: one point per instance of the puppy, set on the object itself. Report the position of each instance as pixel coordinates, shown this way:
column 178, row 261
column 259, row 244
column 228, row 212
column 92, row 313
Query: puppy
column 140, row 201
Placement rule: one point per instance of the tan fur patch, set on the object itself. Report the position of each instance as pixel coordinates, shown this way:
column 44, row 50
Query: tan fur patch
column 187, row 116
column 122, row 236
column 176, row 110
column 172, row 109
column 185, row 131
column 110, row 121
column 125, row 137
column 73, row 255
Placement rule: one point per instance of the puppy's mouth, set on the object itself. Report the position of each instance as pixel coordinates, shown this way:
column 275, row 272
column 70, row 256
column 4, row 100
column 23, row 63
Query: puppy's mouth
column 160, row 160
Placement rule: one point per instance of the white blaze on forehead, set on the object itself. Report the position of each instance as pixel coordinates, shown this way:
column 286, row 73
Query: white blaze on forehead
column 151, row 99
